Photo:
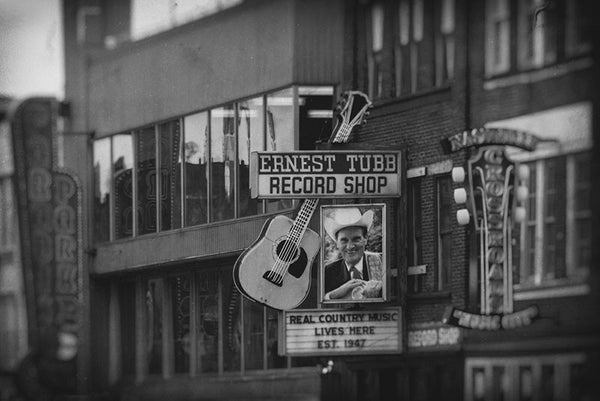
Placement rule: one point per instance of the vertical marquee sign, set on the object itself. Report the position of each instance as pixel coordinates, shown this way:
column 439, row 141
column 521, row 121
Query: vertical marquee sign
column 49, row 209
column 492, row 183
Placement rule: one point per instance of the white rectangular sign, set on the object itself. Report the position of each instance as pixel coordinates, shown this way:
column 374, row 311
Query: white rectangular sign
column 318, row 174
column 342, row 331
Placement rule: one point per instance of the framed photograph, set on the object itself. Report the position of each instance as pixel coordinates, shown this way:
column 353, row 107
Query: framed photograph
column 353, row 254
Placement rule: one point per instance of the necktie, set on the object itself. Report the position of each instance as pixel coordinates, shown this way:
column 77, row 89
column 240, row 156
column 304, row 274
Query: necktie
column 354, row 273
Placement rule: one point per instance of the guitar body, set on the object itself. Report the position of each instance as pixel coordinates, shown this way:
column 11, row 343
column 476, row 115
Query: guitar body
column 273, row 271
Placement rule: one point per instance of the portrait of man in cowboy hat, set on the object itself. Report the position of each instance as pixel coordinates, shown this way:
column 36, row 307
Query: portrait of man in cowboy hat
column 352, row 272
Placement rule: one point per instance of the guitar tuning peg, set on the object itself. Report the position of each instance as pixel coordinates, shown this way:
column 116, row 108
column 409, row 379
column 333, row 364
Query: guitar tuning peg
column 364, row 121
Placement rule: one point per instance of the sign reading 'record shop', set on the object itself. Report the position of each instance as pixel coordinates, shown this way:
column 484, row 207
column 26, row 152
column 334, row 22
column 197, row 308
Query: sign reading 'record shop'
column 342, row 331
column 318, row 174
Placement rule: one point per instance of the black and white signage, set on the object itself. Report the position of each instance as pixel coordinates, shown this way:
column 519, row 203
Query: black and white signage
column 342, row 331
column 319, row 174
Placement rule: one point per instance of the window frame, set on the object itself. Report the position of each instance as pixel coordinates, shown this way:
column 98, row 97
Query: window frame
column 562, row 379
column 443, row 260
column 295, row 91
column 114, row 367
column 538, row 277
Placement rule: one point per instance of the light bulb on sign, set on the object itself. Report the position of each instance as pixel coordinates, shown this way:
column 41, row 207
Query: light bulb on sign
column 522, row 193
column 460, row 195
column 520, row 214
column 523, row 172
column 458, row 175
column 463, row 217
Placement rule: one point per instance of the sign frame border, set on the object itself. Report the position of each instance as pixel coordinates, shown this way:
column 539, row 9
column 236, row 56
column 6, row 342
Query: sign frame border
column 254, row 175
column 355, row 351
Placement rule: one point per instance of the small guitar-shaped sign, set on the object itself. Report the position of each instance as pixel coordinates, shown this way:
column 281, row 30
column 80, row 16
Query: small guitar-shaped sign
column 275, row 269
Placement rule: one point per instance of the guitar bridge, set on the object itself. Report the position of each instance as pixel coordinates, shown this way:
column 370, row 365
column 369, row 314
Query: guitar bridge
column 273, row 277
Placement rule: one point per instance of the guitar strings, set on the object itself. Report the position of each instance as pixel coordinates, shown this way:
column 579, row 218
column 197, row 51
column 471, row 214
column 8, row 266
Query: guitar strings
column 282, row 263
column 290, row 247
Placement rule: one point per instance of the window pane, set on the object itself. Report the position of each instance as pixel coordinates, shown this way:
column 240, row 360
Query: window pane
column 127, row 322
column 577, row 383
column 280, row 132
column 170, row 175
column 123, row 184
column 222, row 151
column 101, row 189
column 280, row 121
column 554, row 218
column 316, row 114
column 525, row 383
column 250, row 139
column 273, row 358
column 232, row 324
column 196, row 169
column 207, row 322
column 479, row 384
column 180, row 290
column 8, row 217
column 146, row 181
column 254, row 332
column 583, row 212
column 377, row 27
column 445, row 216
column 547, row 383
column 154, row 326
column 499, row 383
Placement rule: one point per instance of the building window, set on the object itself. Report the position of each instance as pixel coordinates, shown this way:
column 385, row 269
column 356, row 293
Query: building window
column 102, row 192
column 122, row 156
column 537, row 33
column 497, row 33
column 191, row 323
column 222, row 158
column 555, row 243
column 170, row 157
column 280, row 132
column 578, row 27
column 536, row 30
column 375, row 53
column 415, row 234
column 525, row 378
column 250, row 139
column 196, row 169
column 424, row 44
column 444, row 231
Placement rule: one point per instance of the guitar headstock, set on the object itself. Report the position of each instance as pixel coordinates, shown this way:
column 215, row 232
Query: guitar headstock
column 352, row 108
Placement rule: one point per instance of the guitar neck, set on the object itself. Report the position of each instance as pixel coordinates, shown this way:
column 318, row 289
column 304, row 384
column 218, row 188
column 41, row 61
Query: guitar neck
column 302, row 219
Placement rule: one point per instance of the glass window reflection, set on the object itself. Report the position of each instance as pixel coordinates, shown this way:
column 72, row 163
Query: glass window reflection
column 280, row 133
column 222, row 155
column 207, row 335
column 102, row 190
column 250, row 139
column 170, row 175
column 123, row 184
column 146, row 181
column 196, row 168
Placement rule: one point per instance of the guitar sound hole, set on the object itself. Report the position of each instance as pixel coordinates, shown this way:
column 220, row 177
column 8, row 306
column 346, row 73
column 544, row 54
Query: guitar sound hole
column 287, row 252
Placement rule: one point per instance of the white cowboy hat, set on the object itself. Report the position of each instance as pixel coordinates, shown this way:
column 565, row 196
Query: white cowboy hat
column 347, row 217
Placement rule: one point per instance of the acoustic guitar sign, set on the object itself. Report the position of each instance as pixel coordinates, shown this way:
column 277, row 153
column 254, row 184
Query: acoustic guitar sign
column 319, row 174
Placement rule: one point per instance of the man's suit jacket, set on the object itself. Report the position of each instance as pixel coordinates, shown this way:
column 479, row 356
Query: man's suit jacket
column 337, row 274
